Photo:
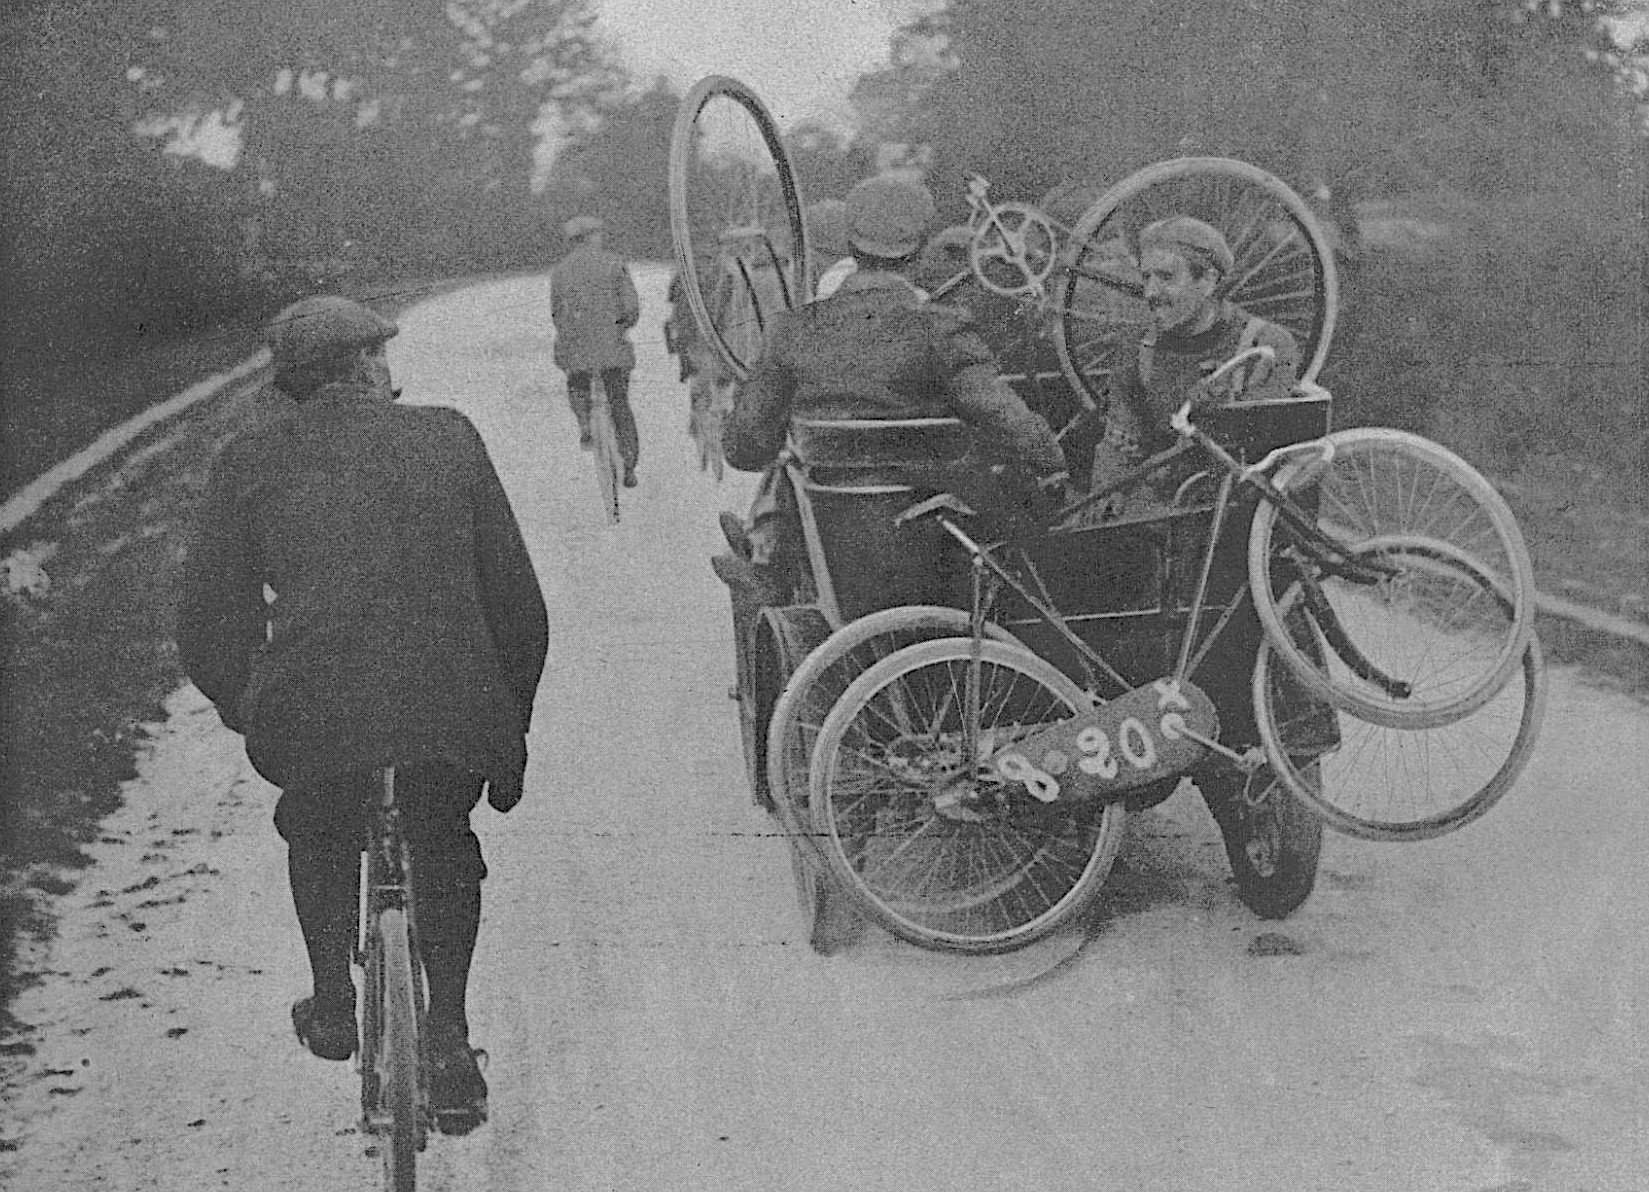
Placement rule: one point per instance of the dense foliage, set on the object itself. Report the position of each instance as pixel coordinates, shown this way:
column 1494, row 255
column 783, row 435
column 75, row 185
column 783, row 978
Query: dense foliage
column 388, row 141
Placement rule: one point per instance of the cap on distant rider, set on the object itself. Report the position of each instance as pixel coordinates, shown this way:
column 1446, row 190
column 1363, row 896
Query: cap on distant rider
column 310, row 338
column 888, row 217
column 1199, row 243
column 580, row 226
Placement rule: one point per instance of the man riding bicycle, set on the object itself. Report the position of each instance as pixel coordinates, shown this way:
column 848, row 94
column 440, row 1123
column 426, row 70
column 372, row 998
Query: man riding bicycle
column 358, row 595
column 874, row 349
column 593, row 305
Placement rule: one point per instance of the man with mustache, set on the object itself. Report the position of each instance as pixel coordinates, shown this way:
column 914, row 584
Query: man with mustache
column 1184, row 262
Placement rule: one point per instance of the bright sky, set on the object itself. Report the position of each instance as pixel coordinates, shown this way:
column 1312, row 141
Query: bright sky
column 800, row 56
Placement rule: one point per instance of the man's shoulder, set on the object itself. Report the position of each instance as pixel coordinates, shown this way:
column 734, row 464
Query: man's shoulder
column 437, row 422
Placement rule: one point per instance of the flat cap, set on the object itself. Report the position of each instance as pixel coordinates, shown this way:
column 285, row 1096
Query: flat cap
column 1191, row 238
column 888, row 217
column 323, row 327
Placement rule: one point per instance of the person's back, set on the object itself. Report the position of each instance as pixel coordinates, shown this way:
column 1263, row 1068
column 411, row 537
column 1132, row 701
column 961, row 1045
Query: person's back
column 591, row 308
column 367, row 518
column 358, row 595
column 593, row 305
column 876, row 349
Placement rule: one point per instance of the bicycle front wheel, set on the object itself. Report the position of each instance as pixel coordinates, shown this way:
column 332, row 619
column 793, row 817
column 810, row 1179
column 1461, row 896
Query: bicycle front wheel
column 931, row 843
column 1378, row 782
column 1284, row 268
column 1438, row 622
column 398, row 1056
column 736, row 219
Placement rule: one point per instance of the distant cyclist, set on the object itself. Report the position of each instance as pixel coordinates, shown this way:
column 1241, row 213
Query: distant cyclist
column 358, row 595
column 593, row 304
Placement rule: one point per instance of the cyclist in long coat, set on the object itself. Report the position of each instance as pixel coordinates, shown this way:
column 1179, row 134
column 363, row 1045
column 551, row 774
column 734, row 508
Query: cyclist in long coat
column 593, row 304
column 405, row 628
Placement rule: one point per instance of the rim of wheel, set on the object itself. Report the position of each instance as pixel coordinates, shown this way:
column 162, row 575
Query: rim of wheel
column 733, row 187
column 1421, row 520
column 969, row 873
column 1375, row 782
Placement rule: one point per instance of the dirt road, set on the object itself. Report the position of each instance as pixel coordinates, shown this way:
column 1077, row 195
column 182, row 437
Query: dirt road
column 1470, row 1014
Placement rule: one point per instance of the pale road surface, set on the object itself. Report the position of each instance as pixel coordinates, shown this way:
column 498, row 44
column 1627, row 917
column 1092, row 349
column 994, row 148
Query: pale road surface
column 1470, row 1014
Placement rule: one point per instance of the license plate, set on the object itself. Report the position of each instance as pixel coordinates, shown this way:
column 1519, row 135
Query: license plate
column 1141, row 737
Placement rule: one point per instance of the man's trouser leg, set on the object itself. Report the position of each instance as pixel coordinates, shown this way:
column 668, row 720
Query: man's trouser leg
column 324, row 829
column 616, row 381
column 447, row 870
column 578, row 397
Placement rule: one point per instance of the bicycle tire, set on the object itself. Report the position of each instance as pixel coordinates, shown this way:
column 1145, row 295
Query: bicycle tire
column 996, row 882
column 793, row 730
column 1273, row 845
column 1388, row 491
column 1376, row 782
column 609, row 464
column 693, row 243
column 371, row 1025
column 1284, row 272
column 400, row 1055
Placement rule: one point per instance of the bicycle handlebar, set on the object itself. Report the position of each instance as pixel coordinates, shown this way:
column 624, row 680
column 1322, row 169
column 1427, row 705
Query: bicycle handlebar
column 1258, row 352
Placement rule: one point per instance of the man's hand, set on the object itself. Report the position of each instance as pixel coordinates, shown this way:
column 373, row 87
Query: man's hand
column 504, row 793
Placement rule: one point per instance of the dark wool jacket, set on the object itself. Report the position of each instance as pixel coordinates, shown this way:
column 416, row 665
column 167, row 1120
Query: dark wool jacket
column 876, row 349
column 404, row 621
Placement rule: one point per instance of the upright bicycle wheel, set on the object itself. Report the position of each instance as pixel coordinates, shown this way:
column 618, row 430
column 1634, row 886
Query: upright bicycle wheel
column 609, row 462
column 1284, row 268
column 932, row 844
column 1377, row 782
column 398, row 1056
column 1436, row 623
column 735, row 219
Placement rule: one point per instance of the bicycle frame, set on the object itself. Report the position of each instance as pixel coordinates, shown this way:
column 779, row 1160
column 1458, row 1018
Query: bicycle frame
column 1239, row 483
column 387, row 862
column 386, row 887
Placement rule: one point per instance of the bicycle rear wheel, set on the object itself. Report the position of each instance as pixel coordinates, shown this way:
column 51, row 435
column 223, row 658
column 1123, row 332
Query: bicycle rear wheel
column 1284, row 268
column 736, row 218
column 799, row 714
column 609, row 464
column 1440, row 621
column 1379, row 782
column 398, row 1056
column 936, row 847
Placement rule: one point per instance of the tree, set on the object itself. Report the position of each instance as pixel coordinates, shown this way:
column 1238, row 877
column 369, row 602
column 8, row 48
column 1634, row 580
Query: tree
column 617, row 165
